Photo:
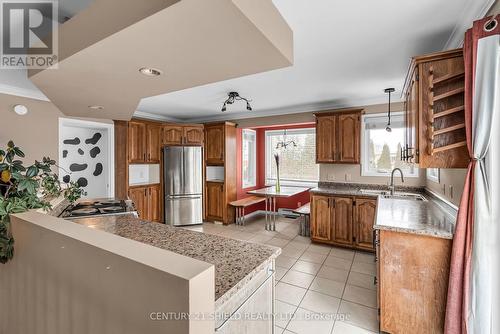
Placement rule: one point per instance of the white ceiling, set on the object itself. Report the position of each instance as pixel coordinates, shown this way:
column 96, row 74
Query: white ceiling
column 346, row 53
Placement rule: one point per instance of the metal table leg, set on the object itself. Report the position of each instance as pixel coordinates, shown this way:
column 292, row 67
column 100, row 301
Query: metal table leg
column 243, row 216
column 274, row 212
column 266, row 214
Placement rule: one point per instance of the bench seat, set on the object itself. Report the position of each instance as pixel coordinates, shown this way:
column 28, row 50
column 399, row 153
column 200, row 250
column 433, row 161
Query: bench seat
column 243, row 203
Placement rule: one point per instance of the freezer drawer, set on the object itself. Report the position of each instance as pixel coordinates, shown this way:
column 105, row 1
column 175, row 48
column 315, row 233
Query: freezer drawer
column 183, row 210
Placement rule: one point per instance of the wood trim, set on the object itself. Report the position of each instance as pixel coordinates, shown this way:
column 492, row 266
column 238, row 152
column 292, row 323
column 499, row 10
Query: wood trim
column 338, row 112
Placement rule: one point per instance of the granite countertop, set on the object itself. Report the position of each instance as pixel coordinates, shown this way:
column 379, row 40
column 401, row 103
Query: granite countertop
column 236, row 262
column 431, row 217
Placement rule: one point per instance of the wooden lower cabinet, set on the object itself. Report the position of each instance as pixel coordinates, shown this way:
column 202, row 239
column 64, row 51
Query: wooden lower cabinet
column 412, row 275
column 147, row 201
column 343, row 220
column 364, row 214
column 214, row 201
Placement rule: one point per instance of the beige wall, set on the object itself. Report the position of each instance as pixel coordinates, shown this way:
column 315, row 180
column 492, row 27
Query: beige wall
column 36, row 132
column 451, row 184
column 495, row 9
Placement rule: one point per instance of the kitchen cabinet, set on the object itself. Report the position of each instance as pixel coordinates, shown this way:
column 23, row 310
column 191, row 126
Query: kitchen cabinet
column 434, row 111
column 220, row 142
column 412, row 274
column 153, row 132
column 174, row 134
column 193, row 135
column 338, row 136
column 136, row 142
column 321, row 216
column 214, row 144
column 343, row 221
column 364, row 220
column 143, row 142
column 214, row 200
column 147, row 201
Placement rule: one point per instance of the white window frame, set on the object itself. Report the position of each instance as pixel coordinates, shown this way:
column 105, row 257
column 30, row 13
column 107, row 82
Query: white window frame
column 434, row 177
column 365, row 171
column 253, row 182
column 270, row 163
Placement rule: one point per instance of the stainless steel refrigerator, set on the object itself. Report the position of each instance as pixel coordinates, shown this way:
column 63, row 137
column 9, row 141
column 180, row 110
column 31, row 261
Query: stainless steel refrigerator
column 183, row 178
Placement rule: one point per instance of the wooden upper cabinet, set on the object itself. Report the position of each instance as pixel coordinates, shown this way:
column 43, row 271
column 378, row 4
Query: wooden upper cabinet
column 172, row 135
column 434, row 111
column 364, row 220
column 136, row 142
column 321, row 217
column 214, row 144
column 193, row 135
column 338, row 136
column 215, row 200
column 325, row 139
column 348, row 138
column 153, row 138
column 342, row 220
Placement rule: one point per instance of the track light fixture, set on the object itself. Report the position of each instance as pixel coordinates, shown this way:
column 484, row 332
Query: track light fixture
column 234, row 96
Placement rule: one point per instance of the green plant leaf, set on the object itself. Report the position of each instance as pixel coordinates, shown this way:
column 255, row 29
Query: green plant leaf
column 32, row 171
column 18, row 151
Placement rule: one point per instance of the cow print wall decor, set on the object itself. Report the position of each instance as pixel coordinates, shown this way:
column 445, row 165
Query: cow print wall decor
column 84, row 153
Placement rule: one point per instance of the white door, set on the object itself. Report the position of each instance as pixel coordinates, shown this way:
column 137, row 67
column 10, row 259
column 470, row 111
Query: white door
column 86, row 156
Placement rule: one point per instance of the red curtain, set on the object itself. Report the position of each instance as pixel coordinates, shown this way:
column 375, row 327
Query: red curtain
column 459, row 281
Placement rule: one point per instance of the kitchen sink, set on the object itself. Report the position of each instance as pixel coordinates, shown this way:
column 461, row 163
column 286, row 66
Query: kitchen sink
column 407, row 196
column 374, row 191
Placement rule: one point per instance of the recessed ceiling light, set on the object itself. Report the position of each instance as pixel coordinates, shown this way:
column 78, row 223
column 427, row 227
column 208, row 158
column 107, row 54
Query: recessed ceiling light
column 20, row 109
column 150, row 72
column 96, row 107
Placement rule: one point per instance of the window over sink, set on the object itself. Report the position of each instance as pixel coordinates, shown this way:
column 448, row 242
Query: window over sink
column 380, row 149
column 297, row 163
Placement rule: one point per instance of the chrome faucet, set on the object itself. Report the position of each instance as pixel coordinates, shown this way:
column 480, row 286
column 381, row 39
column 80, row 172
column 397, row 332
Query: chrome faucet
column 391, row 186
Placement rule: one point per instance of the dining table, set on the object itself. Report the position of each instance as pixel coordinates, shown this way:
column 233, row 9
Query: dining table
column 271, row 194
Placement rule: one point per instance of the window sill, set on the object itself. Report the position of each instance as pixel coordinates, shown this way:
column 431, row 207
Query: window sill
column 388, row 175
column 313, row 184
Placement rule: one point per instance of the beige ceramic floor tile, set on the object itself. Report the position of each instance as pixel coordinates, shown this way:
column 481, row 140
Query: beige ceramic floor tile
column 298, row 278
column 341, row 327
column 283, row 313
column 361, row 280
column 361, row 296
column 359, row 315
column 364, row 257
column 320, row 303
column 306, row 267
column 280, row 272
column 320, row 249
column 285, row 261
column 313, row 257
column 292, row 252
column 364, row 268
column 339, row 263
column 307, row 322
column 329, row 287
column 278, row 242
column 290, row 294
column 333, row 273
column 342, row 253
column 298, row 245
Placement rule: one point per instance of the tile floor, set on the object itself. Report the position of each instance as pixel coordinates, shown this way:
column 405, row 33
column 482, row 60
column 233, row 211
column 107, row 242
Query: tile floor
column 319, row 289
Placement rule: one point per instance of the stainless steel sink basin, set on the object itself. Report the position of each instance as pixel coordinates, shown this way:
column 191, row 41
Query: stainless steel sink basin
column 407, row 196
column 374, row 191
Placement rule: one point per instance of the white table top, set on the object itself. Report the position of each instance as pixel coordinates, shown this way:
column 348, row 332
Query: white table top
column 284, row 191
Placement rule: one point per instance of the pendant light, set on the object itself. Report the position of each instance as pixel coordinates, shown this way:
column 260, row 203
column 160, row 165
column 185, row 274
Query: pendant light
column 389, row 91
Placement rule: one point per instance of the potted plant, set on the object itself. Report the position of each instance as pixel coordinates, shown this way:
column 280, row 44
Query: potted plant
column 24, row 188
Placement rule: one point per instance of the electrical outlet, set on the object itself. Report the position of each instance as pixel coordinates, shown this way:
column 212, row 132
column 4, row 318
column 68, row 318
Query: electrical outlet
column 331, row 177
column 347, row 177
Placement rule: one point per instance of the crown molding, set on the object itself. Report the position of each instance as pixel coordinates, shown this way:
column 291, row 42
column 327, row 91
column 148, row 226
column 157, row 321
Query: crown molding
column 157, row 117
column 228, row 116
column 22, row 92
column 473, row 10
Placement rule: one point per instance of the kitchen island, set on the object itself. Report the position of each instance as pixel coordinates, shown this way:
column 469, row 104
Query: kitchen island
column 120, row 272
column 413, row 250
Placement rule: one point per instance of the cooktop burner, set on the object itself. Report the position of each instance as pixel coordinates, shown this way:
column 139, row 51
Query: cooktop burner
column 96, row 208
